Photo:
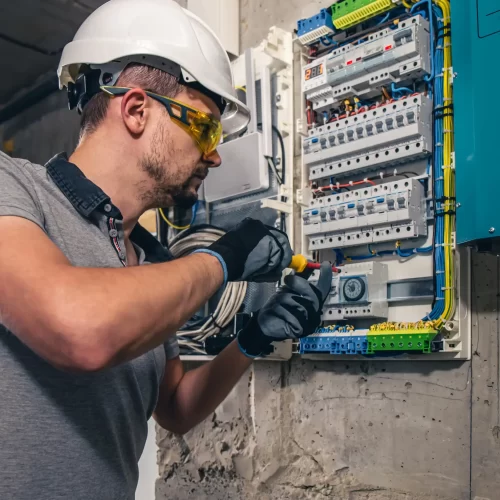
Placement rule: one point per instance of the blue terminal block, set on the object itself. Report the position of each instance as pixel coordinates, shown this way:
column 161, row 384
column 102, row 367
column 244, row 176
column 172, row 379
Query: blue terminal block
column 316, row 344
column 357, row 344
column 333, row 344
column 313, row 29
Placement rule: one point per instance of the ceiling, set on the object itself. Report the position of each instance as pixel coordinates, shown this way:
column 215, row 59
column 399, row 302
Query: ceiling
column 46, row 25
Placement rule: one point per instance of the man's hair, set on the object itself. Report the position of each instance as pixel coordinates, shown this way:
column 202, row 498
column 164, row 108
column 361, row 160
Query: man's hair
column 134, row 75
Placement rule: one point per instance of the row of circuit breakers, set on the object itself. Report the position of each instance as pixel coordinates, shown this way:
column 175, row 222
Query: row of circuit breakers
column 384, row 133
column 377, row 136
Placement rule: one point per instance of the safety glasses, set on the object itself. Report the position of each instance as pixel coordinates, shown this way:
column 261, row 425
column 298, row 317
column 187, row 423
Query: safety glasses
column 205, row 130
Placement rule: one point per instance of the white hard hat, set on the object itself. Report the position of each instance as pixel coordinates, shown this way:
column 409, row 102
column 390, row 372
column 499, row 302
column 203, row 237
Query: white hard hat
column 158, row 33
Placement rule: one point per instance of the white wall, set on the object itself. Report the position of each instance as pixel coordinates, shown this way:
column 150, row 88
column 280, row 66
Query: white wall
column 148, row 469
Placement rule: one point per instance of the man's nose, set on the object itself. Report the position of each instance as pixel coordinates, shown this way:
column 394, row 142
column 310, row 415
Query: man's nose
column 212, row 160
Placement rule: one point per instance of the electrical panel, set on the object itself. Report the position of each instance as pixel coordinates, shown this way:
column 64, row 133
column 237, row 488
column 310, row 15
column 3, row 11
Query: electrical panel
column 475, row 41
column 359, row 69
column 385, row 212
column 377, row 184
column 384, row 135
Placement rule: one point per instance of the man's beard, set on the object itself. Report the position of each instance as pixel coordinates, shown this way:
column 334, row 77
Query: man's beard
column 168, row 188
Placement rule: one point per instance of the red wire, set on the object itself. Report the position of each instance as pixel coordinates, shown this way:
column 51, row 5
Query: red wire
column 314, row 265
column 335, row 186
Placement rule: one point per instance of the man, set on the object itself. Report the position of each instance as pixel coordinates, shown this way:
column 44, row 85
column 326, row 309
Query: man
column 87, row 332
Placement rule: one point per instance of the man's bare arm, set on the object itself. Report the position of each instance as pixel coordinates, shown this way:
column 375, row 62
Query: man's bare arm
column 86, row 319
column 186, row 399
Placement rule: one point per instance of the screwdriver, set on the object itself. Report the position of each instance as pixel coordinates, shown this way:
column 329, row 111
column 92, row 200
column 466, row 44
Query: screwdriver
column 300, row 264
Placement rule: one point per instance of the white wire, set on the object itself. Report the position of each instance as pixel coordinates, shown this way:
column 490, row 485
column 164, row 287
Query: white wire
column 230, row 302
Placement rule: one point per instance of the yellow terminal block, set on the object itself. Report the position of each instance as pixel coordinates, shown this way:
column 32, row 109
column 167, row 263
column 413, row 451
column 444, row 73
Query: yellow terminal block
column 362, row 14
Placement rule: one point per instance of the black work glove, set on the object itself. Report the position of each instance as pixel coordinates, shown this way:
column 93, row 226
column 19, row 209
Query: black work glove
column 252, row 251
column 293, row 312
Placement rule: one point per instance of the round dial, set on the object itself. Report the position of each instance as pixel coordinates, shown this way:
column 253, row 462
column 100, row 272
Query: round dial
column 354, row 289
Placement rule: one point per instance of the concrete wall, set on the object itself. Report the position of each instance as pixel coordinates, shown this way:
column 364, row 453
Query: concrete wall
column 349, row 430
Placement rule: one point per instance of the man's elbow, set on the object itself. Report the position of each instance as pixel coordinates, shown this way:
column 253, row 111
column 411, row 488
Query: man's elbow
column 78, row 346
column 177, row 426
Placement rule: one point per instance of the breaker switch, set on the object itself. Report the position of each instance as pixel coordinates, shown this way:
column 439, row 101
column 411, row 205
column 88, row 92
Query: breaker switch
column 361, row 208
column 350, row 134
column 323, row 216
column 360, row 131
column 389, row 123
column 410, row 116
column 323, row 142
column 401, row 202
column 331, row 140
column 380, row 127
column 390, row 204
column 341, row 137
column 369, row 129
column 400, row 120
column 331, row 213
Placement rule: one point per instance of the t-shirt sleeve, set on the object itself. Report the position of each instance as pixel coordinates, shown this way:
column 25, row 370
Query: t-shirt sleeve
column 17, row 191
column 171, row 348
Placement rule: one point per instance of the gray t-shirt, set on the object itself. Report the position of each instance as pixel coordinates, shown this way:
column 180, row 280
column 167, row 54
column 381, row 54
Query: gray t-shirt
column 66, row 436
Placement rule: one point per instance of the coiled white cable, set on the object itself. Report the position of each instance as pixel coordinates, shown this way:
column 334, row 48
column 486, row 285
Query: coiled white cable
column 231, row 300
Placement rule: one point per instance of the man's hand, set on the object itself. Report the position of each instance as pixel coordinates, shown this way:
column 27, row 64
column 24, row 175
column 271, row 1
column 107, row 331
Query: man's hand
column 252, row 251
column 293, row 313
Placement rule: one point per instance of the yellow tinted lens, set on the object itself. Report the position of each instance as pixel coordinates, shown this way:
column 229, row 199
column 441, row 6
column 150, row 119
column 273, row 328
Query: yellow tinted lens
column 207, row 132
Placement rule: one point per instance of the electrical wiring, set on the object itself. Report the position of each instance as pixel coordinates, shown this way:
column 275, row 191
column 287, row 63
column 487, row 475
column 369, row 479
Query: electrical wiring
column 174, row 226
column 272, row 166
column 281, row 178
column 384, row 19
column 398, row 251
column 230, row 301
column 444, row 181
column 337, row 186
column 399, row 91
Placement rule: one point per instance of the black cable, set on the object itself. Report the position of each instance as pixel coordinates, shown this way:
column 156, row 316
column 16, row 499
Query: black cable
column 29, row 46
column 271, row 163
column 282, row 147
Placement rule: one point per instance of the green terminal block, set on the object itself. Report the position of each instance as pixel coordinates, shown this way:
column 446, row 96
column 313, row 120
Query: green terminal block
column 418, row 340
column 348, row 13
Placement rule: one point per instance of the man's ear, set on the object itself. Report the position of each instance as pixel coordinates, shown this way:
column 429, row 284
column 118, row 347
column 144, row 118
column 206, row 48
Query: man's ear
column 135, row 111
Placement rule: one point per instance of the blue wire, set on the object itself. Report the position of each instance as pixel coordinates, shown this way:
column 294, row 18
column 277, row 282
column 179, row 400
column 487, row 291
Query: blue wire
column 330, row 40
column 195, row 213
column 385, row 19
column 399, row 90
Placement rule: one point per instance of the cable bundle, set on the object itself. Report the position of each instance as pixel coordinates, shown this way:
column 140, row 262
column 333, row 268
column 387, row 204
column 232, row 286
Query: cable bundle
column 444, row 178
column 194, row 335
